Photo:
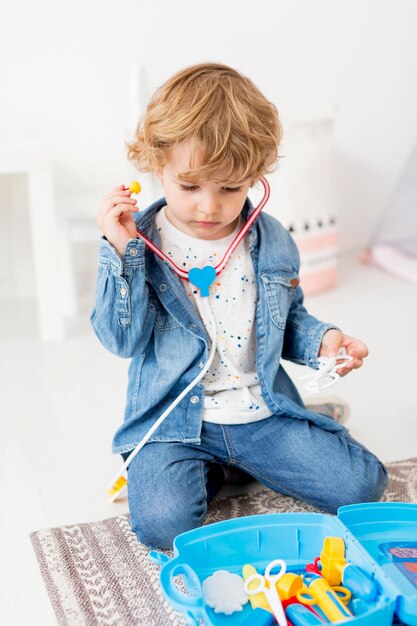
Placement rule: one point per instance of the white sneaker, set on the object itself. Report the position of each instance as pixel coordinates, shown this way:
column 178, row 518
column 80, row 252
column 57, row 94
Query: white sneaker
column 333, row 406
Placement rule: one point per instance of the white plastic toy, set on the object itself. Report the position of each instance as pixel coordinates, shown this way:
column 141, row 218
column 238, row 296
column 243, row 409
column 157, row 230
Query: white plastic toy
column 267, row 584
column 326, row 375
column 224, row 592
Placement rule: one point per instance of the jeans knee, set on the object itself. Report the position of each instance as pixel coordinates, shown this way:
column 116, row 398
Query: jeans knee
column 374, row 481
column 158, row 528
column 151, row 536
column 356, row 487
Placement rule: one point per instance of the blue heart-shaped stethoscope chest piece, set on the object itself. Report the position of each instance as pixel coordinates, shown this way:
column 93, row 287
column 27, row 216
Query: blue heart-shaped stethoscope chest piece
column 202, row 278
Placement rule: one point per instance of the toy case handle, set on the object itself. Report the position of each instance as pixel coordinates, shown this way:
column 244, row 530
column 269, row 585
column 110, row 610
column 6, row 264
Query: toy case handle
column 193, row 600
column 189, row 576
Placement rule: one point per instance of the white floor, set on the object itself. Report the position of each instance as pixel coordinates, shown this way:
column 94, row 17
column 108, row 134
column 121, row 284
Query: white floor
column 61, row 402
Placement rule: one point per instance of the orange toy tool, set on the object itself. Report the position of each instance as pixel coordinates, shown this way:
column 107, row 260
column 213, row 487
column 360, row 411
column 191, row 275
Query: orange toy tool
column 288, row 585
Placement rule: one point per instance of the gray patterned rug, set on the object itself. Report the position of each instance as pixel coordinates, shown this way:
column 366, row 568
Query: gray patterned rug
column 99, row 574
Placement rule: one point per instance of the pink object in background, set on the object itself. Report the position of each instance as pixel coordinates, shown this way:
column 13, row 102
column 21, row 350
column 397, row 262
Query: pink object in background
column 319, row 258
column 393, row 261
column 394, row 244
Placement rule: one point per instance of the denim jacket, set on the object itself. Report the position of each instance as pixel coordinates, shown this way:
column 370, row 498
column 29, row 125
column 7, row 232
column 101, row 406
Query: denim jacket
column 142, row 312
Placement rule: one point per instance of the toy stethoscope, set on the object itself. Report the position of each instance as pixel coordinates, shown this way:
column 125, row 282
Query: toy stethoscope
column 195, row 275
column 202, row 278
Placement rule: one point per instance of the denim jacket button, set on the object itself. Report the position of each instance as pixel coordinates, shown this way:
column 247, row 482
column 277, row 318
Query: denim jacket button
column 133, row 251
column 162, row 287
column 123, row 291
column 195, row 399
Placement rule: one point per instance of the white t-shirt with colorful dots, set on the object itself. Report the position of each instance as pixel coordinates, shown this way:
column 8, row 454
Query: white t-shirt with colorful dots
column 232, row 394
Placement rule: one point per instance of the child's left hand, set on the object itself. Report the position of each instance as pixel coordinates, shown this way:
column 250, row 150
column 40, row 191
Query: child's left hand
column 333, row 340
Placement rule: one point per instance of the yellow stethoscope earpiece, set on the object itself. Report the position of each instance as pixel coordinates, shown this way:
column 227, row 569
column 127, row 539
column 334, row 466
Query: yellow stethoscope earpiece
column 135, row 187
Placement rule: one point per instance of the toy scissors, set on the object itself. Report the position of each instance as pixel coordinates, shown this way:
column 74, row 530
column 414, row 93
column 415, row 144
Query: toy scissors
column 326, row 375
column 329, row 599
column 266, row 584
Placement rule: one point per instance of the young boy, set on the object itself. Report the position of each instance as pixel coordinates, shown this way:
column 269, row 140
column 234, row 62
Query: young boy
column 208, row 135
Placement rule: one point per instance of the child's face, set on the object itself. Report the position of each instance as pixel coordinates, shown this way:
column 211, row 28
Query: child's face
column 205, row 210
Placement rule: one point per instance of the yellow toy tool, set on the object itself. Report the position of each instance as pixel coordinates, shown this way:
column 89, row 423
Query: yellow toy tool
column 335, row 569
column 332, row 560
column 328, row 599
column 257, row 600
column 289, row 585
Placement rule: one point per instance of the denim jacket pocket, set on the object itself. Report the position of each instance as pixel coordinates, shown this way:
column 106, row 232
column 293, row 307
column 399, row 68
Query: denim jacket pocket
column 279, row 286
column 163, row 319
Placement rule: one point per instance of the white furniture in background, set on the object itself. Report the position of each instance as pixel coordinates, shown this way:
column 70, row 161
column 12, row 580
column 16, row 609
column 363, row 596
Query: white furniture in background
column 18, row 156
column 55, row 229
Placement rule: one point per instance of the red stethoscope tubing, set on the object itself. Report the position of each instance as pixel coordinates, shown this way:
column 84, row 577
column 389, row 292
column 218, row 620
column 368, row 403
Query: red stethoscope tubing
column 220, row 266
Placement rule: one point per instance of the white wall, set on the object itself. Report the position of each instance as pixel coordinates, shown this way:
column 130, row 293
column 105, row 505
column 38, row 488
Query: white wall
column 66, row 70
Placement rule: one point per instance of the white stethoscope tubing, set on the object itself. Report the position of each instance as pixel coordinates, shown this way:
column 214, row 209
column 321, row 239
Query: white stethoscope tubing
column 165, row 414
column 213, row 335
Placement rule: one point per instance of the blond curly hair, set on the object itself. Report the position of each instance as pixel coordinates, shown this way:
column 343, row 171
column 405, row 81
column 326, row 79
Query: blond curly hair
column 233, row 130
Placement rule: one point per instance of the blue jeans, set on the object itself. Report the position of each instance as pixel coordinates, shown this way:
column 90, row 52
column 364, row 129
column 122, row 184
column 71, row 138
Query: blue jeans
column 171, row 484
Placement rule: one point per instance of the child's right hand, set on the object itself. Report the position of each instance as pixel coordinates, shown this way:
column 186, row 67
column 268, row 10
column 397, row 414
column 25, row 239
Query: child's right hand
column 114, row 218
